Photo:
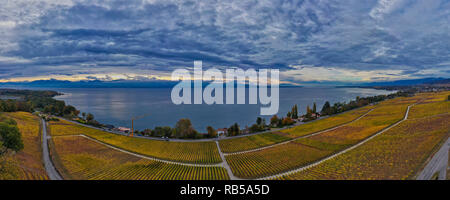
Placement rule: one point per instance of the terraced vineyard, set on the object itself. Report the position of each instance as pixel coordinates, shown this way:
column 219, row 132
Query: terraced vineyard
column 350, row 134
column 326, row 123
column 251, row 142
column 395, row 154
column 266, row 139
column 27, row 164
column 80, row 158
column 429, row 109
column 303, row 151
column 190, row 152
column 434, row 97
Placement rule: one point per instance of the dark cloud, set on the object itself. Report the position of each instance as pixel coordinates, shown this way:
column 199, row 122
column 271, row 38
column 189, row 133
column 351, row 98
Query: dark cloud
column 109, row 36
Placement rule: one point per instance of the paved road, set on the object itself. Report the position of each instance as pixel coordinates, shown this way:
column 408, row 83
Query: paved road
column 438, row 163
column 48, row 164
column 339, row 153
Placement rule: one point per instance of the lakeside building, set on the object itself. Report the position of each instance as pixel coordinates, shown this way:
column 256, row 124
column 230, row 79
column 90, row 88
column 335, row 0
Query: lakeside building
column 222, row 131
column 124, row 129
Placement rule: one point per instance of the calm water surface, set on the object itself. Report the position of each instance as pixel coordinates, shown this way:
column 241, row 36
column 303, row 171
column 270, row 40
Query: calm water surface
column 118, row 105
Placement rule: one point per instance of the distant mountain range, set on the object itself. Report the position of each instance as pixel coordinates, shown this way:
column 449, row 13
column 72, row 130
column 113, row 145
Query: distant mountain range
column 409, row 82
column 168, row 84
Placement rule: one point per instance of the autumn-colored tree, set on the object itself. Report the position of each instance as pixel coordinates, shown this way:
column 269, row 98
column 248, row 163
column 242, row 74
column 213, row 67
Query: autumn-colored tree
column 212, row 133
column 274, row 120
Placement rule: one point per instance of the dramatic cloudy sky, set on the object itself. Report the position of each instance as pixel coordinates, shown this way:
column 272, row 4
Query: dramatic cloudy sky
column 308, row 40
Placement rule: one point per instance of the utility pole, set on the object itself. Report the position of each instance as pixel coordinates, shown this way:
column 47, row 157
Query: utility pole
column 132, row 122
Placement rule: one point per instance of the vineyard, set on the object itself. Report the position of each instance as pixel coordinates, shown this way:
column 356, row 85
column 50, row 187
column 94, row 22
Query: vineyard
column 398, row 153
column 395, row 154
column 329, row 122
column 80, row 158
column 378, row 119
column 433, row 97
column 189, row 152
column 251, row 142
column 273, row 160
column 266, row 139
column 27, row 164
column 304, row 151
column 430, row 109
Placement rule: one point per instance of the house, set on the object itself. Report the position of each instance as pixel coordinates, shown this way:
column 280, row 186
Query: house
column 315, row 115
column 124, row 129
column 222, row 131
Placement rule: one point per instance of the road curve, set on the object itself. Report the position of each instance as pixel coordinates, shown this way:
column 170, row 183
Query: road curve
column 438, row 163
column 339, row 153
column 48, row 164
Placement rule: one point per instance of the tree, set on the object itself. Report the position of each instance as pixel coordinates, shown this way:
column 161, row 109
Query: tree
column 326, row 108
column 89, row 117
column 287, row 121
column 212, row 133
column 234, row 130
column 294, row 112
column 83, row 114
column 184, row 129
column 274, row 120
column 314, row 110
column 70, row 110
column 255, row 128
column 259, row 121
column 162, row 131
column 147, row 132
column 10, row 138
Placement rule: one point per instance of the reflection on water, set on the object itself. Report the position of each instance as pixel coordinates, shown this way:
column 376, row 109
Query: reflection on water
column 118, row 105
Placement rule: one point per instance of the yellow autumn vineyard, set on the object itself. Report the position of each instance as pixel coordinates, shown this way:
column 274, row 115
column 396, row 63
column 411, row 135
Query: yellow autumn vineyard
column 326, row 123
column 399, row 153
column 395, row 154
column 27, row 164
column 265, row 139
column 81, row 158
column 190, row 152
column 304, row 151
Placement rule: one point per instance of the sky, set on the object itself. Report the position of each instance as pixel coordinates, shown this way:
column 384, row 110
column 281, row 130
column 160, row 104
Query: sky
column 307, row 40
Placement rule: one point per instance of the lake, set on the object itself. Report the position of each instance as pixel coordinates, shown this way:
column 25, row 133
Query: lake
column 117, row 106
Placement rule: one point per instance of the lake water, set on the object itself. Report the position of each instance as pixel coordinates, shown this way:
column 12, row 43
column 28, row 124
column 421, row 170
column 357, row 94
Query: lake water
column 117, row 106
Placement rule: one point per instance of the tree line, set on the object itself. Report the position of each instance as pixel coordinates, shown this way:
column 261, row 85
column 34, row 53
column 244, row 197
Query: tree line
column 31, row 101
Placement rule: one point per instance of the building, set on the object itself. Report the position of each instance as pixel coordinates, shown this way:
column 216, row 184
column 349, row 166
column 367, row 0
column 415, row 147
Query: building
column 124, row 129
column 222, row 131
